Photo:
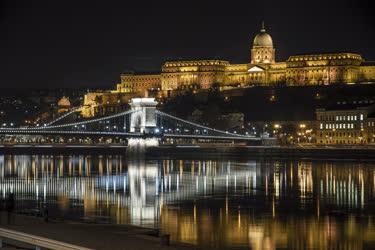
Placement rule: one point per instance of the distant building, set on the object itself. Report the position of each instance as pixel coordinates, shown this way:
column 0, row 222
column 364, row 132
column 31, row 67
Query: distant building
column 262, row 70
column 104, row 102
column 63, row 105
column 346, row 123
column 232, row 121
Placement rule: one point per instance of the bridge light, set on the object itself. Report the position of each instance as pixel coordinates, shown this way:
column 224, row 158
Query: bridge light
column 157, row 130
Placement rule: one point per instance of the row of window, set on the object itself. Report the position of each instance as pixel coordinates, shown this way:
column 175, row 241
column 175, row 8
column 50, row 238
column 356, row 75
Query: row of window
column 341, row 141
column 341, row 117
column 332, row 57
column 338, row 126
column 348, row 118
column 342, row 134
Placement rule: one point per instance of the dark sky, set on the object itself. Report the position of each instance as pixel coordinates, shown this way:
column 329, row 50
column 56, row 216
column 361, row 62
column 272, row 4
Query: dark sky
column 89, row 43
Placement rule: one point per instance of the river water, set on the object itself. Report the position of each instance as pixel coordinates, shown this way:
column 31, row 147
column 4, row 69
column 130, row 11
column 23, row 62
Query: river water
column 222, row 204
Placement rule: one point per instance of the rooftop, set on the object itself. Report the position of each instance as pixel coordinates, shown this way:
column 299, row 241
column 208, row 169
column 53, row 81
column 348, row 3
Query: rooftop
column 365, row 104
column 325, row 56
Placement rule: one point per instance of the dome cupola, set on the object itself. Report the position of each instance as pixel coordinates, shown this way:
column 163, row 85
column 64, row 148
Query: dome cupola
column 263, row 39
column 262, row 51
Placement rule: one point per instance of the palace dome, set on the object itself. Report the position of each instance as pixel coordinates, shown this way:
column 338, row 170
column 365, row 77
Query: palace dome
column 263, row 39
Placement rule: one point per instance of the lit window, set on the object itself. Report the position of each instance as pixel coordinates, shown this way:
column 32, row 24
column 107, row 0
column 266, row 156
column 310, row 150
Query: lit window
column 355, row 118
column 361, row 117
column 321, row 126
column 340, row 125
column 348, row 118
column 344, row 125
column 326, row 126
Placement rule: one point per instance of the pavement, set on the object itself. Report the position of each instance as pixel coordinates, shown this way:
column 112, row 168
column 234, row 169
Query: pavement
column 95, row 236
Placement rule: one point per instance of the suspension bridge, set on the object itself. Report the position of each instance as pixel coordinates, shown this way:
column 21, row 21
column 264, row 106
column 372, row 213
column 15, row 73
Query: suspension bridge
column 143, row 121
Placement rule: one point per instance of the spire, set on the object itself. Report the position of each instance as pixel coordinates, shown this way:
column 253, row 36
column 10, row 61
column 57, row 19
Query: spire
column 263, row 28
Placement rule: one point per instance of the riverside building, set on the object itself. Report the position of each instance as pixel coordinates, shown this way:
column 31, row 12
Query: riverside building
column 346, row 123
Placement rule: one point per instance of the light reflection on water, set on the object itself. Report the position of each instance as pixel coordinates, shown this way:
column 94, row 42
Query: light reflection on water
column 225, row 203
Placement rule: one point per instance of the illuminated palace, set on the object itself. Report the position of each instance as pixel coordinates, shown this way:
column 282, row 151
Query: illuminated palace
column 263, row 70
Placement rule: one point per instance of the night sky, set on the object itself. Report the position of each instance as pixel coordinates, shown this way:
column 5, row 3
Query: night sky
column 52, row 44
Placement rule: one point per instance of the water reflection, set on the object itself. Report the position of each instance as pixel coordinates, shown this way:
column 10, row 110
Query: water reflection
column 249, row 204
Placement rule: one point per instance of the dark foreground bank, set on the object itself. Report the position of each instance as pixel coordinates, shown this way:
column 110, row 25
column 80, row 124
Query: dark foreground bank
column 88, row 235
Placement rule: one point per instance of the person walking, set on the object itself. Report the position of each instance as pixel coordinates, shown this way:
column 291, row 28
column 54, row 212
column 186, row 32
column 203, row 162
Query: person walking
column 45, row 213
column 10, row 208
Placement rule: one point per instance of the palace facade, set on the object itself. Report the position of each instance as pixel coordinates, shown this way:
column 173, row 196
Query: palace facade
column 262, row 70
